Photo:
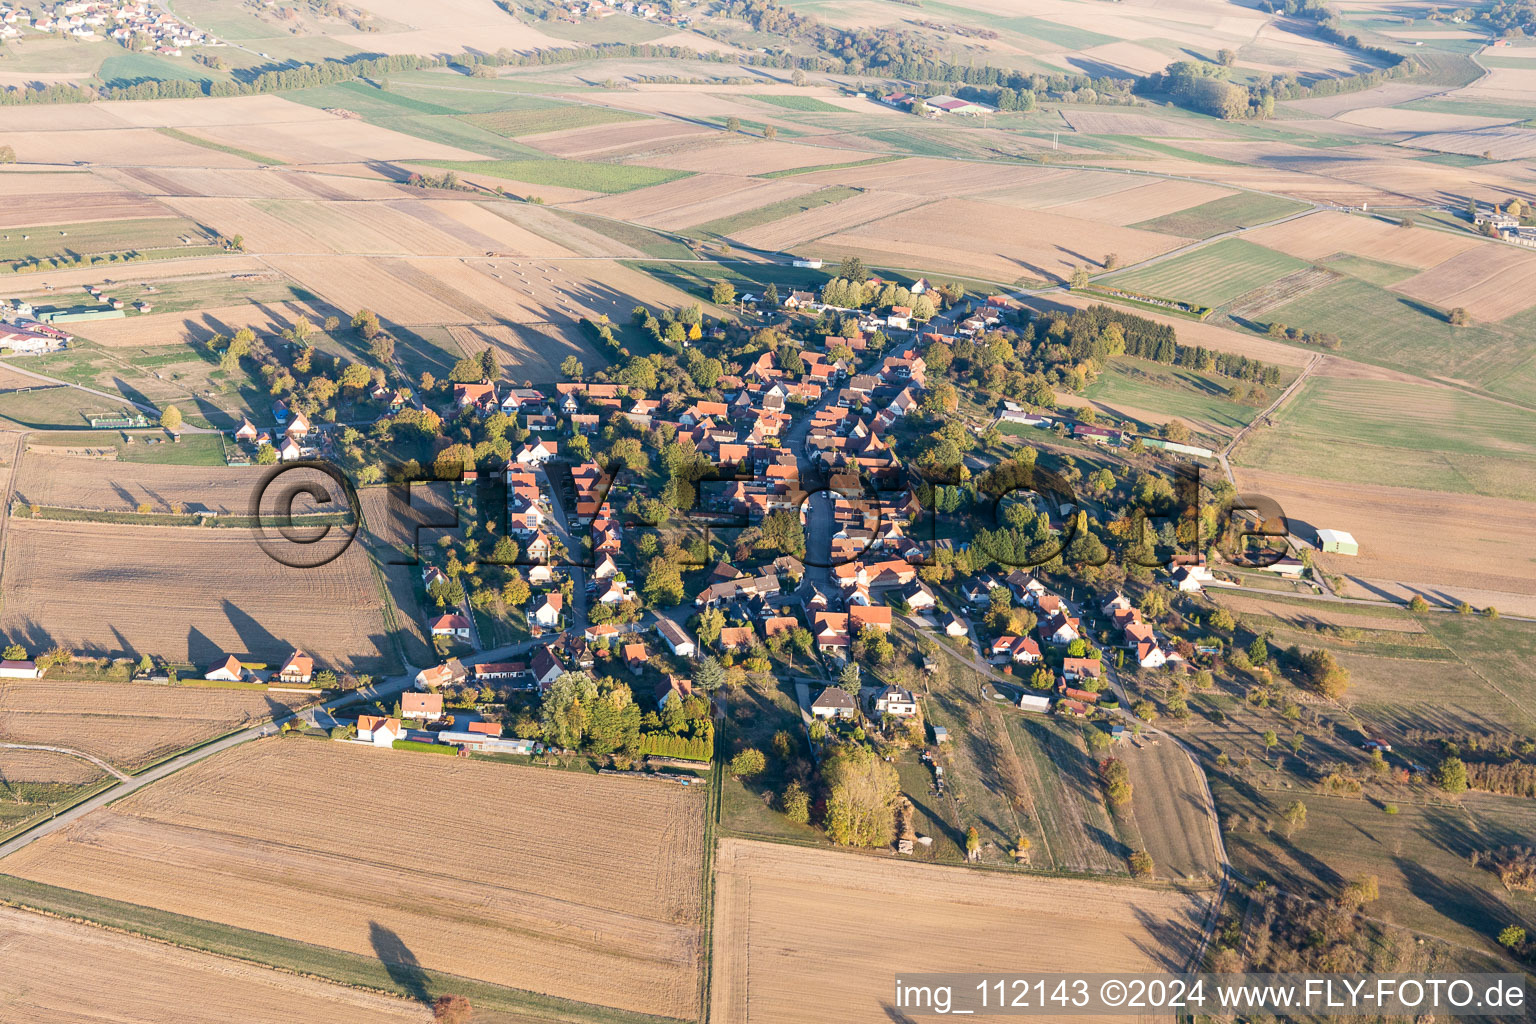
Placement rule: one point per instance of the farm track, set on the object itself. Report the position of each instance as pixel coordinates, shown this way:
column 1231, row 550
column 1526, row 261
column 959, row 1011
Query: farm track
column 72, row 753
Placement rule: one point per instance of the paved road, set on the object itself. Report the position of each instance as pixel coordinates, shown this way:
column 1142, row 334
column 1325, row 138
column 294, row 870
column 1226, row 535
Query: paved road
column 379, row 691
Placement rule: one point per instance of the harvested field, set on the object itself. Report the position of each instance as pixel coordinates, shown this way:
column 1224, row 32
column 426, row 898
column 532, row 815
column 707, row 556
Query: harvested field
column 480, row 225
column 355, row 282
column 1253, row 304
column 66, row 482
column 695, row 200
column 740, row 154
column 77, row 208
column 527, row 353
column 925, row 177
column 853, row 212
column 578, row 886
column 1315, row 614
column 380, row 228
column 1491, row 282
column 1320, row 235
column 128, row 724
column 613, row 140
column 330, row 140
column 262, row 231
column 1444, row 544
column 202, row 324
column 143, row 146
column 173, row 592
column 1097, row 122
column 1006, row 244
column 836, row 907
column 1170, row 810
column 1145, row 202
column 1497, row 143
column 254, row 183
column 114, row 976
column 17, row 765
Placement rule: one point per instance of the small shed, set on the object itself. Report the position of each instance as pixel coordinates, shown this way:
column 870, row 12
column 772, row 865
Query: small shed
column 940, row 734
column 1337, row 542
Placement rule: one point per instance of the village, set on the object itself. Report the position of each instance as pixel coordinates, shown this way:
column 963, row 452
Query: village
column 136, row 24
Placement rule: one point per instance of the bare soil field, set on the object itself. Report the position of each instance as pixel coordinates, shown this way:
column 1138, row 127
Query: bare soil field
column 695, row 200
column 77, row 208
column 1500, row 85
column 1005, row 243
column 1440, row 542
column 213, row 112
column 127, row 724
column 452, row 22
column 17, row 765
column 864, row 208
column 805, row 935
column 65, row 482
column 1320, row 235
column 1491, row 282
column 114, row 976
column 1042, row 188
column 1170, row 810
column 578, row 886
column 1132, row 57
column 255, row 183
column 184, row 593
column 527, row 353
column 605, row 141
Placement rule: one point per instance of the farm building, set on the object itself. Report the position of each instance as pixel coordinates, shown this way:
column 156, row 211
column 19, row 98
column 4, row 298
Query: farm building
column 1032, row 702
column 1337, row 542
column 19, row 670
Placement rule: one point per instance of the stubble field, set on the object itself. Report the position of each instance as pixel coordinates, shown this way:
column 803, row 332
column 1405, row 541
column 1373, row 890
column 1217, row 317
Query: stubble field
column 805, row 935
column 1491, row 282
column 127, row 724
column 580, row 887
column 185, row 594
column 113, row 976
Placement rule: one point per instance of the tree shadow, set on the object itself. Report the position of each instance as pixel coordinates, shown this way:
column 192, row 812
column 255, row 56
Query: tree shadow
column 403, row 967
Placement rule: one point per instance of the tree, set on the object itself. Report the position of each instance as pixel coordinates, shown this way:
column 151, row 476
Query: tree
column 1270, row 739
column 711, row 622
column 366, row 322
column 566, row 709
column 15, row 652
column 710, row 675
column 663, row 583
column 1417, row 604
column 852, row 268
column 170, row 419
column 571, row 368
column 771, row 295
column 266, row 455
column 770, row 133
column 382, row 348
column 1111, row 260
column 1512, row 937
column 1295, row 815
column 1079, row 277
column 1324, row 674
column 1451, row 775
column 1225, row 57
column 972, row 843
column 849, row 680
column 1141, row 864
column 748, row 763
column 862, row 791
column 7, row 155
column 723, row 293
column 797, row 77
column 796, row 803
column 452, row 1009
column 1460, row 317
column 733, row 123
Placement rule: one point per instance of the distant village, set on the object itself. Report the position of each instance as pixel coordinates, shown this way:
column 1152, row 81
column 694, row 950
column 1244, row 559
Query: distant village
column 136, row 24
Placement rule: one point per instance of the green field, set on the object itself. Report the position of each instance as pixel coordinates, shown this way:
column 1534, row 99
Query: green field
column 726, row 226
column 1370, row 271
column 367, row 101
column 790, row 172
column 592, row 177
column 805, row 103
column 1179, row 391
column 537, row 116
column 1243, row 210
column 1401, row 435
column 1392, row 330
column 1211, row 275
column 99, row 237
column 131, row 68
